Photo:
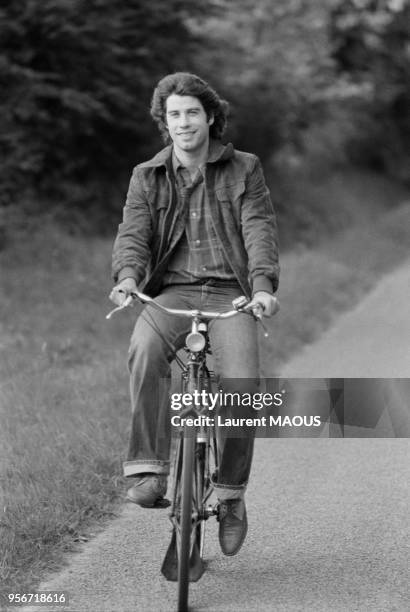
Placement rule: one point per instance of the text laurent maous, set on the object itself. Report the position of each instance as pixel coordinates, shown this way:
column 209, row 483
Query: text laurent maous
column 273, row 421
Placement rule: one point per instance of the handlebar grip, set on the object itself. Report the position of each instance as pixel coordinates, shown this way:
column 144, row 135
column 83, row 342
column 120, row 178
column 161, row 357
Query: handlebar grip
column 261, row 306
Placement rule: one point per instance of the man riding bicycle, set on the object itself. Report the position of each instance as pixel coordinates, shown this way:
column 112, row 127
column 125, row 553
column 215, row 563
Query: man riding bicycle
column 198, row 231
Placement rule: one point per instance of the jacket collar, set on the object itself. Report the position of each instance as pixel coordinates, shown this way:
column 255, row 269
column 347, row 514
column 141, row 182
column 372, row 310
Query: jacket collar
column 217, row 152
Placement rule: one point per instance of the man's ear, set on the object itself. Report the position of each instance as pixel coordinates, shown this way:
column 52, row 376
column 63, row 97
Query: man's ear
column 211, row 119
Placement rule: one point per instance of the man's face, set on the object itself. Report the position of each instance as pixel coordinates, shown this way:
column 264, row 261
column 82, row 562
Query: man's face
column 187, row 123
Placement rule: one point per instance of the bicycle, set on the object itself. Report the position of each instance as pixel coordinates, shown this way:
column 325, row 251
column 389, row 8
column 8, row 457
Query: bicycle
column 195, row 462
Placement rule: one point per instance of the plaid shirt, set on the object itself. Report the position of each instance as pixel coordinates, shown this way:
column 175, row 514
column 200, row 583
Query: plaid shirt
column 199, row 254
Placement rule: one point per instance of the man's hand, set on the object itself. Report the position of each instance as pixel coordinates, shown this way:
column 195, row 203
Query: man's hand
column 264, row 303
column 121, row 291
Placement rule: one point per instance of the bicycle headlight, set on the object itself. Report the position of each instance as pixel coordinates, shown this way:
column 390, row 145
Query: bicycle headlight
column 195, row 342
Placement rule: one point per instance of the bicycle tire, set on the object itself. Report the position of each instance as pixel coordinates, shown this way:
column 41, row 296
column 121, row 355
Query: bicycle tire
column 192, row 489
column 188, row 457
column 201, row 452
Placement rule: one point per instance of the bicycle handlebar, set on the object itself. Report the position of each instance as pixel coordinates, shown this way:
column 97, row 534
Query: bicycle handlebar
column 204, row 314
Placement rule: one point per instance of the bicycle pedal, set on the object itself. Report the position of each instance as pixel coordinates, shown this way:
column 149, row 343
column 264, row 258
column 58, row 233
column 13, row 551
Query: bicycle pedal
column 210, row 511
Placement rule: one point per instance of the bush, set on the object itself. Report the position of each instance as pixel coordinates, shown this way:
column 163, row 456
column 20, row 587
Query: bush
column 371, row 45
column 76, row 80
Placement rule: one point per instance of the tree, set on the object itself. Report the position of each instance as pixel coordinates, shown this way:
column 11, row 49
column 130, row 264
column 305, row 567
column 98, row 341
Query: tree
column 76, row 80
column 371, row 42
column 273, row 63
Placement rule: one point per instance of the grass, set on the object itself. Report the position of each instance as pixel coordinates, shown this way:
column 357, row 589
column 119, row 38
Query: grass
column 318, row 284
column 64, row 389
column 63, row 400
column 314, row 203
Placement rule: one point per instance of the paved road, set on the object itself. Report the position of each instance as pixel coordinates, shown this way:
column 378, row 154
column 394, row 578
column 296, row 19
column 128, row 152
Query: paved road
column 372, row 340
column 329, row 520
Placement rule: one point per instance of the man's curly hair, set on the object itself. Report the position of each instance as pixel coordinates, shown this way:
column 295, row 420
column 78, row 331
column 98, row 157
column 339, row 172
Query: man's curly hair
column 186, row 84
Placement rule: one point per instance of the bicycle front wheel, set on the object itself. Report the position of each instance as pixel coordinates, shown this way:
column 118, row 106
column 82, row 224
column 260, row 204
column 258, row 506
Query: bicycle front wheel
column 186, row 519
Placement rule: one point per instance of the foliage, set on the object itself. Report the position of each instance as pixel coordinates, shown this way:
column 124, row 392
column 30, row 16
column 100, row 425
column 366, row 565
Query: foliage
column 312, row 85
column 76, row 81
column 371, row 44
column 273, row 61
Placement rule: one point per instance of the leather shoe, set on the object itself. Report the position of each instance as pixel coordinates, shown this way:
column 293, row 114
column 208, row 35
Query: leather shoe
column 233, row 525
column 148, row 490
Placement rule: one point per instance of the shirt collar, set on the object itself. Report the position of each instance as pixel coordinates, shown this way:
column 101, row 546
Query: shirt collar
column 177, row 164
column 217, row 152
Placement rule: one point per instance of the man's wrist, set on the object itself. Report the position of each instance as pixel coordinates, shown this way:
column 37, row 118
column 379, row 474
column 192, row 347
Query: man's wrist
column 125, row 273
column 262, row 283
column 127, row 278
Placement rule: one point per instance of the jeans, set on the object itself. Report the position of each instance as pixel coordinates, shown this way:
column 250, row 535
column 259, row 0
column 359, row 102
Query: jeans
column 235, row 354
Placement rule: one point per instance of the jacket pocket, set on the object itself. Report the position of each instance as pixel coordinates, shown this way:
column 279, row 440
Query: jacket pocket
column 230, row 193
column 229, row 199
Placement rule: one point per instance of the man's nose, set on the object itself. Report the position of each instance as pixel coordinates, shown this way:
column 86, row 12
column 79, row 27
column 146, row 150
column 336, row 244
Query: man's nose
column 183, row 119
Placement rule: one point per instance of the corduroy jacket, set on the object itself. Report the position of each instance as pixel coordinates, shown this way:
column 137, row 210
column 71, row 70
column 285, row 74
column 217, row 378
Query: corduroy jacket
column 242, row 212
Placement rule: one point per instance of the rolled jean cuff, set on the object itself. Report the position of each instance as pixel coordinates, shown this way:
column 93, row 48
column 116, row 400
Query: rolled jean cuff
column 141, row 466
column 225, row 492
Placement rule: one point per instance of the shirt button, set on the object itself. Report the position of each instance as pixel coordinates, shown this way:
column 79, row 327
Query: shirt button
column 204, row 268
column 197, row 242
column 194, row 214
